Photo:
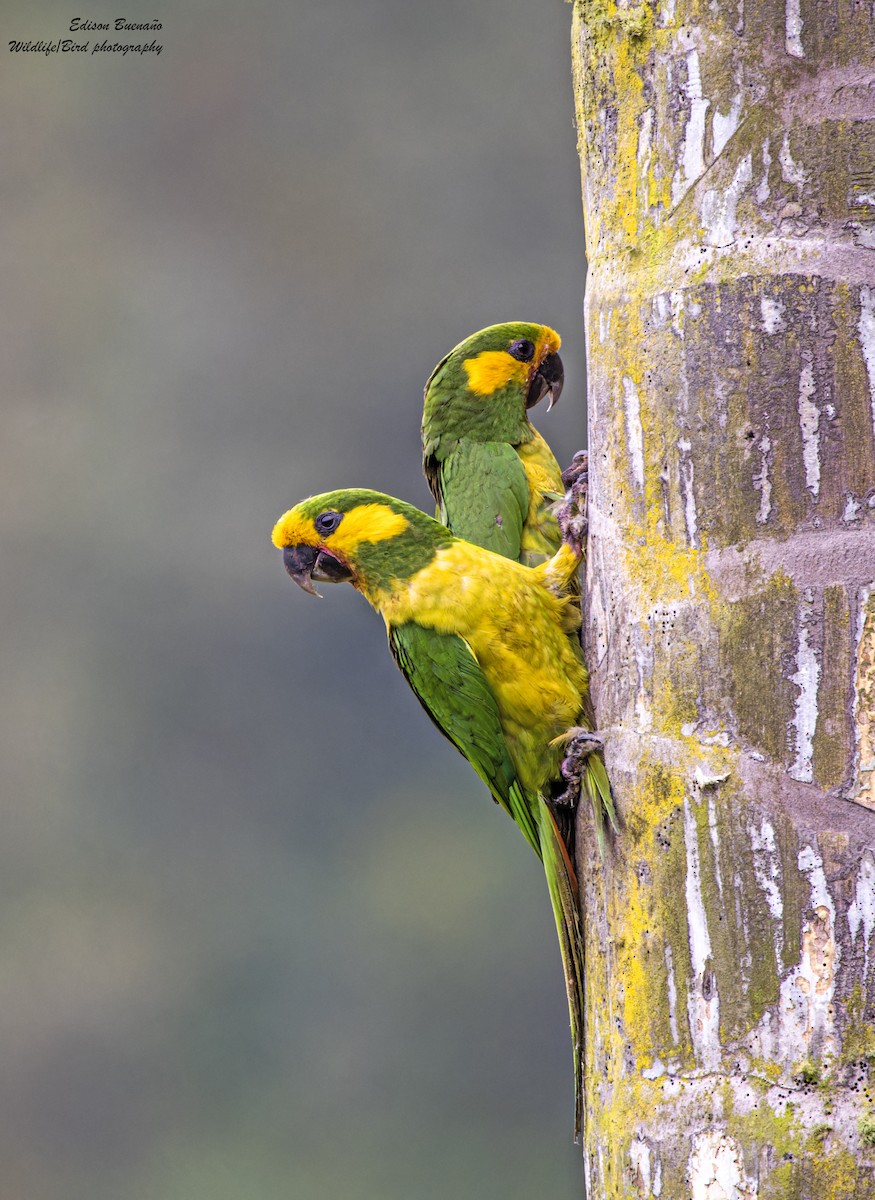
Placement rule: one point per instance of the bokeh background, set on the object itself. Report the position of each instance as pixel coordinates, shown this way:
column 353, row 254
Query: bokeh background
column 262, row 933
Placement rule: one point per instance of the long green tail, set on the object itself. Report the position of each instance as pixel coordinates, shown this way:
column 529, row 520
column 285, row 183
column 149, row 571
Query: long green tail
column 562, row 884
column 565, row 899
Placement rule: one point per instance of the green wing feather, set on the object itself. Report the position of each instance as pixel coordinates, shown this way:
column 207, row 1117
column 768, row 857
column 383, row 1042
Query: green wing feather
column 485, row 495
column 448, row 682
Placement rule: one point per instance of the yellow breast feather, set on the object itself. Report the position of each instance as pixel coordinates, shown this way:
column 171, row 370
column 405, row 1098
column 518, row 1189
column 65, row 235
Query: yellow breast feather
column 515, row 628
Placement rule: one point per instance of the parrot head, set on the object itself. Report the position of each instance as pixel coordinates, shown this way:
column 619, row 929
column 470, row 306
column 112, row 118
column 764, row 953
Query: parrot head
column 356, row 536
column 484, row 388
column 509, row 367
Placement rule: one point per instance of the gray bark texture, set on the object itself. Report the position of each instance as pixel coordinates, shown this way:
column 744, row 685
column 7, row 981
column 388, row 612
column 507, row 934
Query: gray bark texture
column 728, row 160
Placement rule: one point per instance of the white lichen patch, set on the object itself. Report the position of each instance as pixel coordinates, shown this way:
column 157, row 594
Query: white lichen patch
column 767, row 867
column 767, row 871
column 863, row 790
column 762, row 483
column 639, row 1161
column 660, row 309
column 763, row 189
column 793, row 28
column 852, row 510
column 634, row 429
column 864, row 235
column 791, row 172
column 867, row 339
column 655, row 1071
column 672, row 995
column 693, row 157
column 772, row 310
column 809, row 423
column 807, row 679
column 598, row 621
column 724, row 125
column 694, row 142
column 716, row 1171
column 643, row 715
column 703, row 1011
column 677, row 312
column 715, row 836
column 604, row 325
column 861, row 910
column 686, row 479
column 762, row 1041
column 645, row 133
column 700, row 941
column 719, row 207
column 806, row 1016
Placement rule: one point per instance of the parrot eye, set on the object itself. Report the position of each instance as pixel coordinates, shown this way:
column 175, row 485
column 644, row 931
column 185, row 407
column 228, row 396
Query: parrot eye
column 523, row 351
column 327, row 522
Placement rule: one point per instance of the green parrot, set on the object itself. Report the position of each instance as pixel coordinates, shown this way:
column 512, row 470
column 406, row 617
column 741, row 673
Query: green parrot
column 497, row 483
column 495, row 479
column 483, row 643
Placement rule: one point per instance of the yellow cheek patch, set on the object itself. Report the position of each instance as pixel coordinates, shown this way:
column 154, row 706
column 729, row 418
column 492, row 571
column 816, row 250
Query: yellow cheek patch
column 367, row 523
column 494, row 369
column 293, row 529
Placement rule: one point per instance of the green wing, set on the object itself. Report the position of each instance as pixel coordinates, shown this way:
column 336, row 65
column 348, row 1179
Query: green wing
column 484, row 495
column 448, row 682
column 453, row 691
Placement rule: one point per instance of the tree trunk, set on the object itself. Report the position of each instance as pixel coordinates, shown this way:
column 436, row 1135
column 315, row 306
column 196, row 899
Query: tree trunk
column 728, row 155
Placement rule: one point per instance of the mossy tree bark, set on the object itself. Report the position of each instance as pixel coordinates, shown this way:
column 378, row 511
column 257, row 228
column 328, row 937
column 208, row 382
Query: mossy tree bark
column 728, row 155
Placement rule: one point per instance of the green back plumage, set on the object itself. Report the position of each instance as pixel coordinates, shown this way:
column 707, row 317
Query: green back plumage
column 475, row 427
column 485, row 496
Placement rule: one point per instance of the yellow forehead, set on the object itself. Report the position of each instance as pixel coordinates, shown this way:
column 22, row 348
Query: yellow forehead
column 493, row 369
column 367, row 523
column 293, row 529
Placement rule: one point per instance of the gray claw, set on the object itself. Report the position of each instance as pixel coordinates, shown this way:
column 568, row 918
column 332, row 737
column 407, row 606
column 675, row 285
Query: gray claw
column 571, row 512
column 579, row 466
column 581, row 744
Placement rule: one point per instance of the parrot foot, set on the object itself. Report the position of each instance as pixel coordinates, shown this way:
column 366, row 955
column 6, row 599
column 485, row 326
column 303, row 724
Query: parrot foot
column 571, row 512
column 579, row 744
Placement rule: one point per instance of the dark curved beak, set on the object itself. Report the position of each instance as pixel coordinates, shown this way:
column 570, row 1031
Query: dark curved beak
column 546, row 381
column 306, row 563
column 299, row 562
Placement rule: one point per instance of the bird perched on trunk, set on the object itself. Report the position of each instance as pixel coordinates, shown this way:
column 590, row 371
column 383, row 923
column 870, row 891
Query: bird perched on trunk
column 493, row 476
column 483, row 643
column 497, row 483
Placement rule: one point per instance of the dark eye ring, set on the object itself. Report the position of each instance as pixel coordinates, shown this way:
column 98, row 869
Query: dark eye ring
column 523, row 351
column 327, row 522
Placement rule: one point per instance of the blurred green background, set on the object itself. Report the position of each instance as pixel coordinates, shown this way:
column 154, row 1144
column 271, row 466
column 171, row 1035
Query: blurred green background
column 263, row 934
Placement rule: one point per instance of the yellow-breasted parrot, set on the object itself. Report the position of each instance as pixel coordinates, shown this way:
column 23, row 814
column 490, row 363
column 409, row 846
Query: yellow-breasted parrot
column 483, row 643
column 494, row 478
